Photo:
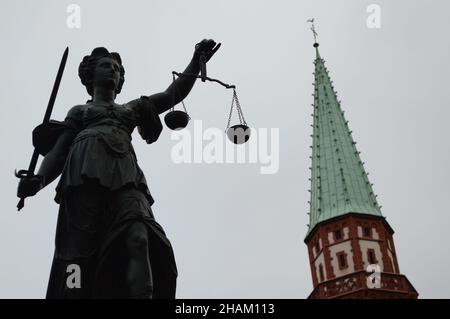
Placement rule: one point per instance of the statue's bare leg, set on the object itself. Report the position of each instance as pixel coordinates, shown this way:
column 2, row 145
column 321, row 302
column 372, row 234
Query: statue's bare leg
column 139, row 275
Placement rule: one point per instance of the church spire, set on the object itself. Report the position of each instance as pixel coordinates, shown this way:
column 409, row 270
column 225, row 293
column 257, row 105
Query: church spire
column 347, row 236
column 339, row 183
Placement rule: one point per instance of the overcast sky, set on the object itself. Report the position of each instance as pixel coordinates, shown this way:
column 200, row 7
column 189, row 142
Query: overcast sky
column 237, row 233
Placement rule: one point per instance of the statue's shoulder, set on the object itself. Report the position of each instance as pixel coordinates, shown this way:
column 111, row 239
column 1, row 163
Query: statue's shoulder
column 142, row 101
column 132, row 105
column 77, row 111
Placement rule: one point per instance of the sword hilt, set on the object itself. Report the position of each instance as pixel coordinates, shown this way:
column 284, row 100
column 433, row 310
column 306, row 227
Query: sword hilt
column 27, row 173
column 21, row 174
column 20, row 204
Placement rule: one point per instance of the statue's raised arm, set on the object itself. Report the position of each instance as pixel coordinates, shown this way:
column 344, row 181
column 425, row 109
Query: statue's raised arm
column 180, row 88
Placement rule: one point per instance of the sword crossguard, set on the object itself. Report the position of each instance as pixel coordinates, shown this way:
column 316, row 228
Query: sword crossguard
column 21, row 174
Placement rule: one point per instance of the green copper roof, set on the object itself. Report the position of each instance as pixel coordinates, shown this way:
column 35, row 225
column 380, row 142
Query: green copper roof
column 339, row 183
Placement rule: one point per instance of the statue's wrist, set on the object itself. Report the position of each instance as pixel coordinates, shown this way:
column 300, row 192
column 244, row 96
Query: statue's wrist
column 42, row 181
column 195, row 63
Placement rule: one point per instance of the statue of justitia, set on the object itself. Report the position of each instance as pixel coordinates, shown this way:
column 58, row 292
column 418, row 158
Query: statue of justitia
column 105, row 223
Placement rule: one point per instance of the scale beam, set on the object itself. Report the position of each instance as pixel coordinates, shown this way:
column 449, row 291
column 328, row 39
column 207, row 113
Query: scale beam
column 228, row 86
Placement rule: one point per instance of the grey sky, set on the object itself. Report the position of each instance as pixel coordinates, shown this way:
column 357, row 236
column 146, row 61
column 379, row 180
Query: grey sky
column 237, row 233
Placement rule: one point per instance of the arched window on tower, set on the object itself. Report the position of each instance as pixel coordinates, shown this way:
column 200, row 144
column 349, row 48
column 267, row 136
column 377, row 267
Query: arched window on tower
column 371, row 256
column 337, row 235
column 321, row 276
column 367, row 232
column 342, row 260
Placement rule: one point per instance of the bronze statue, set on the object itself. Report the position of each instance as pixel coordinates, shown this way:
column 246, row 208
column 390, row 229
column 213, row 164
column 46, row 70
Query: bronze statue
column 105, row 222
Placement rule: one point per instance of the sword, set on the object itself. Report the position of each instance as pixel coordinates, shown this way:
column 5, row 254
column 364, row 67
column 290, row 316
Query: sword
column 30, row 171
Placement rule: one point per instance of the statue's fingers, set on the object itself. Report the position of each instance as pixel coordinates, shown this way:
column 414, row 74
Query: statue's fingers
column 212, row 51
column 201, row 43
column 216, row 48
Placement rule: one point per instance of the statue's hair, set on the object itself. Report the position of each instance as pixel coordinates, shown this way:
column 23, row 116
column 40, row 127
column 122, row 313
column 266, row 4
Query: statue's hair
column 87, row 66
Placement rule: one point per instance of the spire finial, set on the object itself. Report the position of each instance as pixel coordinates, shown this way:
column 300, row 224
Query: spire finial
column 313, row 29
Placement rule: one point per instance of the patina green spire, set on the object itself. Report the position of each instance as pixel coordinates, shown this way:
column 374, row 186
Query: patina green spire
column 339, row 183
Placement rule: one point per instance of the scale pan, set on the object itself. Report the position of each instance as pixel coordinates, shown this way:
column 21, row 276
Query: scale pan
column 238, row 134
column 176, row 120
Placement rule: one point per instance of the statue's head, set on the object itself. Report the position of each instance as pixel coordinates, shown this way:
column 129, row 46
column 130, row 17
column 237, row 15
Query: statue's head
column 102, row 69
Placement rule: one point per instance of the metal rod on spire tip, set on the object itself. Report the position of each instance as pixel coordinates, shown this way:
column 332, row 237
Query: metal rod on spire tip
column 313, row 29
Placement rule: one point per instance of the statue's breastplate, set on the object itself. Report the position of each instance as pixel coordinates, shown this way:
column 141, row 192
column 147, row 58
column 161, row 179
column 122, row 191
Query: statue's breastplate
column 112, row 125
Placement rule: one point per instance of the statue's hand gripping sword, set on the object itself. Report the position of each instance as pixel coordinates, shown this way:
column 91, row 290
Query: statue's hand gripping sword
column 30, row 172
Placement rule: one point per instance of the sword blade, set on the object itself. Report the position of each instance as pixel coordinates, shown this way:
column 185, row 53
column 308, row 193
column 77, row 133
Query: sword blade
column 52, row 99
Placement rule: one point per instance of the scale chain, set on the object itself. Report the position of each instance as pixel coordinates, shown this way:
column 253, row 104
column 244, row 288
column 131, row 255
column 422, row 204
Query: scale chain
column 182, row 101
column 238, row 106
column 231, row 112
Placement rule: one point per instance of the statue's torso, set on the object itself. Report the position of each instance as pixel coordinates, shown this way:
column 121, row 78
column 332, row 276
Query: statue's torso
column 112, row 124
column 102, row 149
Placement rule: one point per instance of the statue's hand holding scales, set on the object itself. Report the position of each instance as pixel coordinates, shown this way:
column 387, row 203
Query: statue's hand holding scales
column 206, row 48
